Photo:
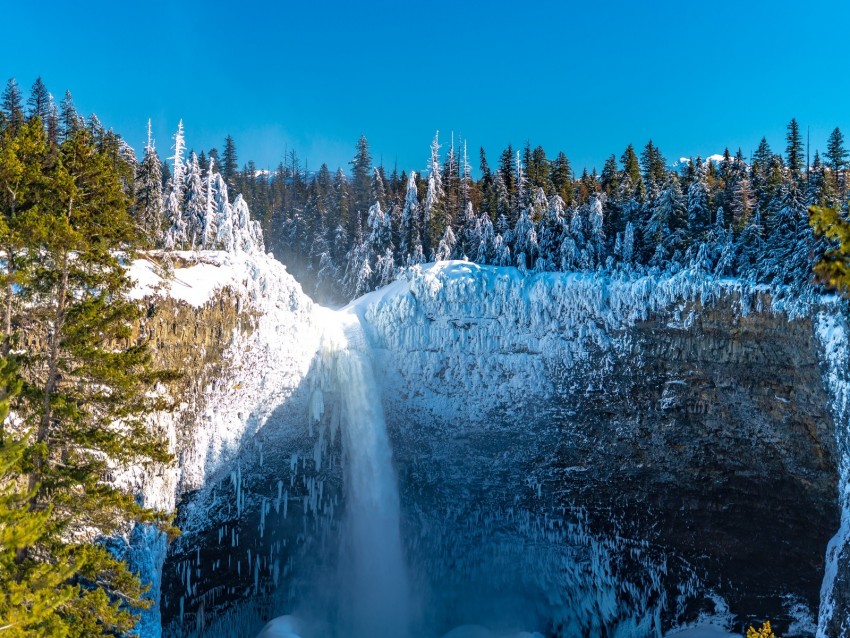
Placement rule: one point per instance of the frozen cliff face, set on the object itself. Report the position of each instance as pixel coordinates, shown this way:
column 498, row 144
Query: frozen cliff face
column 238, row 327
column 576, row 455
column 621, row 452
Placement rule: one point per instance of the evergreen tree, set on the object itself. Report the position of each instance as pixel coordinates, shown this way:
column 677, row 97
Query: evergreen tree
column 794, row 156
column 361, row 182
column 433, row 218
column 86, row 394
column 194, row 207
column 177, row 234
column 836, row 161
column 148, row 207
column 411, row 242
column 40, row 102
column 31, row 593
column 668, row 219
column 12, row 105
column 820, row 187
column 653, row 164
column 229, row 162
column 790, row 241
column 699, row 212
column 631, row 169
column 562, row 179
column 485, row 184
column 549, row 231
column 69, row 121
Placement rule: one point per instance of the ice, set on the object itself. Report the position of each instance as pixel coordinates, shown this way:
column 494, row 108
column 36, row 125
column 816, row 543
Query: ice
column 282, row 627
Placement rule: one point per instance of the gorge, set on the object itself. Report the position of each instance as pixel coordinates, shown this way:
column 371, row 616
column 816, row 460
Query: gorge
column 576, row 454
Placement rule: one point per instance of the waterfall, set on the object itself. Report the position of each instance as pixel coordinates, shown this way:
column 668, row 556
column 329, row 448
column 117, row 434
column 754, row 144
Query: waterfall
column 375, row 593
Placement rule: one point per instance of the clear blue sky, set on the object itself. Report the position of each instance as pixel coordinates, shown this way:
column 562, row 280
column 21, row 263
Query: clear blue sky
column 587, row 78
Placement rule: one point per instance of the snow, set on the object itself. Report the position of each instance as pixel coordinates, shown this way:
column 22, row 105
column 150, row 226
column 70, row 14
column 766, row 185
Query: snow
column 455, row 338
column 833, row 335
column 282, row 627
column 492, row 334
column 263, row 368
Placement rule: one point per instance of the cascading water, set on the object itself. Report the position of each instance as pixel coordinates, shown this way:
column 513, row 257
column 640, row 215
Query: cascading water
column 373, row 593
column 375, row 602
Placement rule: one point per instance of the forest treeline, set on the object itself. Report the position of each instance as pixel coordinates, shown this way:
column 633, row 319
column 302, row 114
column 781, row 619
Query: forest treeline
column 345, row 232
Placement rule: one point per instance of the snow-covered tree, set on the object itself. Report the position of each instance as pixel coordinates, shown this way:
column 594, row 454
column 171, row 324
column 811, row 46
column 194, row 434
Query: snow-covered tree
column 486, row 251
column 525, row 246
column 550, row 228
column 149, row 204
column 432, row 219
column 177, row 160
column 411, row 239
column 194, row 203
column 446, row 248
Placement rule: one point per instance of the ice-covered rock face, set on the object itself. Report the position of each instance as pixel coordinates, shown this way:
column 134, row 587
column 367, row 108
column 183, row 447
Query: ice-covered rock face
column 611, row 456
column 576, row 455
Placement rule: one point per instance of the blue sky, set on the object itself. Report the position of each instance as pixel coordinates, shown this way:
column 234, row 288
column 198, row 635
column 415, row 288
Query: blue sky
column 587, row 78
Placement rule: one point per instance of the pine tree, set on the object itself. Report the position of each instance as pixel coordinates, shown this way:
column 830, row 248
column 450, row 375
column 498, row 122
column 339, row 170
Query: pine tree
column 794, row 156
column 148, row 207
column 40, row 102
column 12, row 106
column 229, row 162
column 361, row 182
column 836, row 161
column 69, row 121
column 86, row 394
column 433, row 219
column 562, row 178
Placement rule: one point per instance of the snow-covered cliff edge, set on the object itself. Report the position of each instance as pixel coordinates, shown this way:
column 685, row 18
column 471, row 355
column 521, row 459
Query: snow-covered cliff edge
column 575, row 453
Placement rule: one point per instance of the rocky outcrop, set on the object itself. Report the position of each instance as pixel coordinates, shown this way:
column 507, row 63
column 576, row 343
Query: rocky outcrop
column 575, row 454
column 695, row 444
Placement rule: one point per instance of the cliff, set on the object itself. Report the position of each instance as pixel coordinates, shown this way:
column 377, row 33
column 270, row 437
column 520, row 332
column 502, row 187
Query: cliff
column 575, row 454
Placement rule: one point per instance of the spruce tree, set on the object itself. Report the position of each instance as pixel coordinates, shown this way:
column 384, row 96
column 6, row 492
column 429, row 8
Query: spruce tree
column 12, row 105
column 794, row 156
column 836, row 161
column 631, row 168
column 562, row 178
column 40, row 103
column 229, row 162
column 361, row 182
column 86, row 385
column 148, row 207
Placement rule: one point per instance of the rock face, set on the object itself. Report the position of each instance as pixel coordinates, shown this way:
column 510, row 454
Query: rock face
column 575, row 455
